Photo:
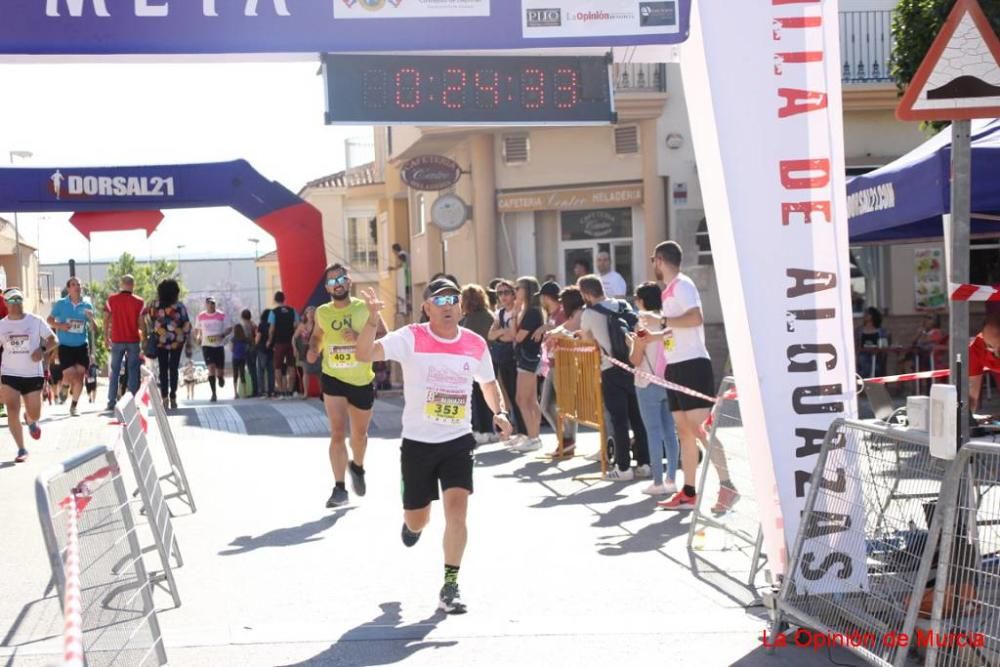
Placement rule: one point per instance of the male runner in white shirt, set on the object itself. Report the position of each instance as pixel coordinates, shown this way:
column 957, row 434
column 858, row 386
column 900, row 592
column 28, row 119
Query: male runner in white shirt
column 440, row 361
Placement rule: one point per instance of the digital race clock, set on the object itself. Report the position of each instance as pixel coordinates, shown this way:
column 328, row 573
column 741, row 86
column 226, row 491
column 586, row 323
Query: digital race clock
column 465, row 90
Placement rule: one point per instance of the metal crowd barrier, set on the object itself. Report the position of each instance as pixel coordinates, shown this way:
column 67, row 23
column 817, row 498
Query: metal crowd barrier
column 117, row 619
column 177, row 477
column 902, row 489
column 738, row 528
column 153, row 501
column 578, row 390
column 965, row 617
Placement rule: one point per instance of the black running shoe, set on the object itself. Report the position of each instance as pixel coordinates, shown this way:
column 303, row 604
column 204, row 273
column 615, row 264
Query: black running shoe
column 451, row 600
column 222, row 381
column 409, row 537
column 338, row 498
column 357, row 479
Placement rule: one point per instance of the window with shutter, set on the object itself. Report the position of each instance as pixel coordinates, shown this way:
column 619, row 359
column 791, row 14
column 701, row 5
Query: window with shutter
column 704, row 244
column 515, row 149
column 626, row 139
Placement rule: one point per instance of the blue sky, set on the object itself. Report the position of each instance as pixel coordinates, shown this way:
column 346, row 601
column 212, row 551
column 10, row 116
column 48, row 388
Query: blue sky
column 98, row 114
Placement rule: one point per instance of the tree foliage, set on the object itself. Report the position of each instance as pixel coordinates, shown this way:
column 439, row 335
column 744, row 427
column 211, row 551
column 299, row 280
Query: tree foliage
column 147, row 277
column 915, row 24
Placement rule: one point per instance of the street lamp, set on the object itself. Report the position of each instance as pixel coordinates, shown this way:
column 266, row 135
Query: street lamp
column 179, row 247
column 24, row 155
column 256, row 269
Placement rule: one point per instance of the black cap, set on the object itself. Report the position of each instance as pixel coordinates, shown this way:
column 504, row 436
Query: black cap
column 440, row 286
column 209, row 299
column 551, row 289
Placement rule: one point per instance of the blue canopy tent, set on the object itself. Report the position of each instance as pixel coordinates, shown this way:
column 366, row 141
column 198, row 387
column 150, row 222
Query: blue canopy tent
column 906, row 199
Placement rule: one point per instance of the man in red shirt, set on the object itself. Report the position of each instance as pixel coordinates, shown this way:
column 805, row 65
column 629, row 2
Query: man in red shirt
column 122, row 333
column 984, row 355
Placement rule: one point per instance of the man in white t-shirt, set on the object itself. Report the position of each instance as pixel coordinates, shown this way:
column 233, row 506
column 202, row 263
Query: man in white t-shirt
column 615, row 286
column 27, row 340
column 210, row 332
column 440, row 361
column 688, row 365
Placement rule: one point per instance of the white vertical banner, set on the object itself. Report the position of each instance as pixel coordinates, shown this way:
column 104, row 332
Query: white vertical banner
column 762, row 82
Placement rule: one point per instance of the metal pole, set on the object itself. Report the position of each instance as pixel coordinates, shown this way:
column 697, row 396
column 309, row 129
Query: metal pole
column 17, row 253
column 961, row 197
column 256, row 270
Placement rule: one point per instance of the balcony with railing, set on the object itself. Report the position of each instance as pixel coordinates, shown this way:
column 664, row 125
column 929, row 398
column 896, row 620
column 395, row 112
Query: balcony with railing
column 640, row 90
column 640, row 78
column 866, row 46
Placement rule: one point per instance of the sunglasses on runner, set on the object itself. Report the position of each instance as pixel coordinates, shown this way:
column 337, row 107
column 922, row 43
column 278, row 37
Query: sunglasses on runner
column 505, row 292
column 334, row 282
column 16, row 300
column 447, row 300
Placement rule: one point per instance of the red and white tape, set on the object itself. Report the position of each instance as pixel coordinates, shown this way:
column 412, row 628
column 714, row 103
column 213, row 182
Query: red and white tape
column 72, row 602
column 909, row 377
column 74, row 505
column 654, row 379
column 960, row 292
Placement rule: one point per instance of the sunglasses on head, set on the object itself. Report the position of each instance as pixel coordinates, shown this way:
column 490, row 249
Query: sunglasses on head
column 447, row 300
column 334, row 282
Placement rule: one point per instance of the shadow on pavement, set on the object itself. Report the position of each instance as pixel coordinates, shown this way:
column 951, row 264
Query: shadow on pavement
column 286, row 537
column 534, row 472
column 649, row 538
column 381, row 641
column 7, row 464
column 794, row 656
column 605, row 493
column 33, row 617
column 731, row 583
column 620, row 514
column 494, row 458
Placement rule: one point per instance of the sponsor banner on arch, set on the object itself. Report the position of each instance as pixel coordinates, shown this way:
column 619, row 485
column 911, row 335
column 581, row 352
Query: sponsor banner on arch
column 139, row 27
column 409, row 9
column 774, row 186
column 580, row 18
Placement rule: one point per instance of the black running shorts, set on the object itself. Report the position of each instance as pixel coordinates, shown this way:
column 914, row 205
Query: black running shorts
column 21, row 385
column 215, row 356
column 426, row 465
column 362, row 398
column 694, row 374
column 74, row 356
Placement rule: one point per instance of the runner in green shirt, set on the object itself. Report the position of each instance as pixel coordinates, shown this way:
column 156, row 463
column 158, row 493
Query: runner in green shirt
column 348, row 385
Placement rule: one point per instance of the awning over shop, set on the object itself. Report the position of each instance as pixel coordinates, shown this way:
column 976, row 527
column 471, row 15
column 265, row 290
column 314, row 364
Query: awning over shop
column 905, row 199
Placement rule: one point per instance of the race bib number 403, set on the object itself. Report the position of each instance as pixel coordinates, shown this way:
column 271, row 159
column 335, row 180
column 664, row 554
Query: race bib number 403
column 341, row 356
column 445, row 408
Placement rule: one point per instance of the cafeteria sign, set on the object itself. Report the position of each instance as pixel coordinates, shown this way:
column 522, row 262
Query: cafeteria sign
column 430, row 172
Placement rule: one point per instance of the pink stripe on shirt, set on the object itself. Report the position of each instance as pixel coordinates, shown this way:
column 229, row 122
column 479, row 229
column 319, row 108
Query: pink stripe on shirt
column 468, row 343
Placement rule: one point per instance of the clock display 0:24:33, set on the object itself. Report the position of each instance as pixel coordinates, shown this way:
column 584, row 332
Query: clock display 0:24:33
column 481, row 88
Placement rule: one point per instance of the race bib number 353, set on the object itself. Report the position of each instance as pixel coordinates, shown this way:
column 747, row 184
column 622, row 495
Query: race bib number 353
column 445, row 408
